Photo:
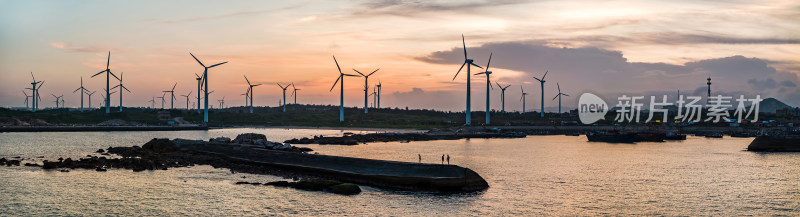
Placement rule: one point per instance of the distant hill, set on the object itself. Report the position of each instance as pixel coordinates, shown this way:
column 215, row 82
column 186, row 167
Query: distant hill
column 770, row 105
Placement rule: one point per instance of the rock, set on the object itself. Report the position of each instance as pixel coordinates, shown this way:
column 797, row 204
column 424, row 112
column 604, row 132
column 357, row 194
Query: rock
column 286, row 146
column 32, row 165
column 3, row 161
column 345, row 189
column 160, row 146
column 314, row 184
column 260, row 142
column 49, row 165
column 100, row 169
column 221, row 139
column 304, row 149
column 100, row 151
column 249, row 138
column 247, row 183
column 12, row 163
column 64, row 171
column 279, row 183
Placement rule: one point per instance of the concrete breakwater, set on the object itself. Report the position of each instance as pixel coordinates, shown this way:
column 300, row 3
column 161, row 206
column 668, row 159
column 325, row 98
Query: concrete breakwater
column 252, row 153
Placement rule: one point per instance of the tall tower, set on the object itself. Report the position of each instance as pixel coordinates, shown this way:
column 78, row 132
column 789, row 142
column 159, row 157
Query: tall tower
column 709, row 89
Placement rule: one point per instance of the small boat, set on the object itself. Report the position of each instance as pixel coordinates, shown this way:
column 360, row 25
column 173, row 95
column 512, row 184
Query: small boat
column 674, row 136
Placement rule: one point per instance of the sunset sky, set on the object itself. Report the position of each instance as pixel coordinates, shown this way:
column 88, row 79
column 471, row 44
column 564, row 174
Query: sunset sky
column 605, row 47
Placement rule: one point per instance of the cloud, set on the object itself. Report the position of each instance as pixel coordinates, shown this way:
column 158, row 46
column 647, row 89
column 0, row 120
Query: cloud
column 592, row 69
column 410, row 8
column 69, row 47
column 670, row 38
column 446, row 100
column 224, row 16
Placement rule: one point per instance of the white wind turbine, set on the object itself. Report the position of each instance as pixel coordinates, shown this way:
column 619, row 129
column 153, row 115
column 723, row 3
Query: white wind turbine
column 468, row 63
column 340, row 80
column 366, row 86
column 488, row 85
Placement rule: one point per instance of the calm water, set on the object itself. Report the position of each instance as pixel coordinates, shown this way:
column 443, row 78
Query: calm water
column 538, row 175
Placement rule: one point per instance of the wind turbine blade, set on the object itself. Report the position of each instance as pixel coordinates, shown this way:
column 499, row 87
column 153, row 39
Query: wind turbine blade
column 507, row 86
column 279, row 85
column 463, row 42
column 40, row 86
column 34, row 78
column 545, row 74
column 248, row 80
column 490, row 83
column 123, row 87
column 173, row 86
column 537, row 79
column 198, row 61
column 498, row 85
column 351, row 75
column 212, row 66
column 112, row 74
column 490, row 61
column 459, row 70
column 336, row 82
column 479, row 73
column 195, row 74
column 101, row 72
column 476, row 65
column 373, row 72
column 362, row 74
column 108, row 62
column 76, row 90
column 554, row 98
column 337, row 65
column 564, row 94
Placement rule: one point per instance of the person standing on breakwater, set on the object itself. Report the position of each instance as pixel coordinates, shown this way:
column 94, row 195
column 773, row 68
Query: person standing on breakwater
column 442, row 159
column 448, row 159
column 420, row 157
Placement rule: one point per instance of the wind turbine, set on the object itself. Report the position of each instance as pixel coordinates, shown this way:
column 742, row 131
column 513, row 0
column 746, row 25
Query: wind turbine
column 121, row 86
column 90, row 98
column 205, row 80
column 172, row 99
column 250, row 89
column 187, row 100
column 153, row 103
column 35, row 91
column 366, row 86
column 488, row 85
column 222, row 103
column 524, row 94
column 246, row 95
column 108, row 78
column 374, row 95
column 468, row 63
column 199, row 86
column 559, row 97
column 83, row 91
column 541, row 82
column 379, row 95
column 503, row 95
column 57, row 98
column 26, row 99
column 284, row 94
column 162, row 100
column 340, row 79
column 107, row 97
column 294, row 93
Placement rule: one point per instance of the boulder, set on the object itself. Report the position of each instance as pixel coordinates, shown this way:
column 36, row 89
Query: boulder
column 279, row 183
column 100, row 150
column 314, row 184
column 221, row 139
column 345, row 189
column 249, row 138
column 49, row 165
column 160, row 145
column 260, row 142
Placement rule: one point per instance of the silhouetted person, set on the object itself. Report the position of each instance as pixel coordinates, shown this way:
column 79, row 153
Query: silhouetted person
column 448, row 159
column 442, row 159
column 420, row 158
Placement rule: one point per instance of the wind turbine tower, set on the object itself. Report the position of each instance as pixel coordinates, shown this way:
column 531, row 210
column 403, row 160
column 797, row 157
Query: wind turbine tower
column 205, row 79
column 524, row 95
column 340, row 80
column 83, row 91
column 121, row 87
column 187, row 100
column 366, row 86
column 503, row 96
column 35, row 86
column 541, row 82
column 468, row 63
column 108, row 80
column 172, row 98
column 284, row 95
column 250, row 89
column 559, row 97
column 488, row 85
column 294, row 93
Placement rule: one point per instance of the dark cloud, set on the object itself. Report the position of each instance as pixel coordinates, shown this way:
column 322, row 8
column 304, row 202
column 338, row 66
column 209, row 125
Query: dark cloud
column 762, row 84
column 592, row 69
column 672, row 38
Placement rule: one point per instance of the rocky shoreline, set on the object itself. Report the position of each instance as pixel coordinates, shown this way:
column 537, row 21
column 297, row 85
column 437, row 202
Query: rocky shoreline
column 252, row 153
column 355, row 139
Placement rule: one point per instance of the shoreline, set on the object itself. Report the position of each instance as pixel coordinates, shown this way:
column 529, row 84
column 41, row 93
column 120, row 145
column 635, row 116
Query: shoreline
column 5, row 129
